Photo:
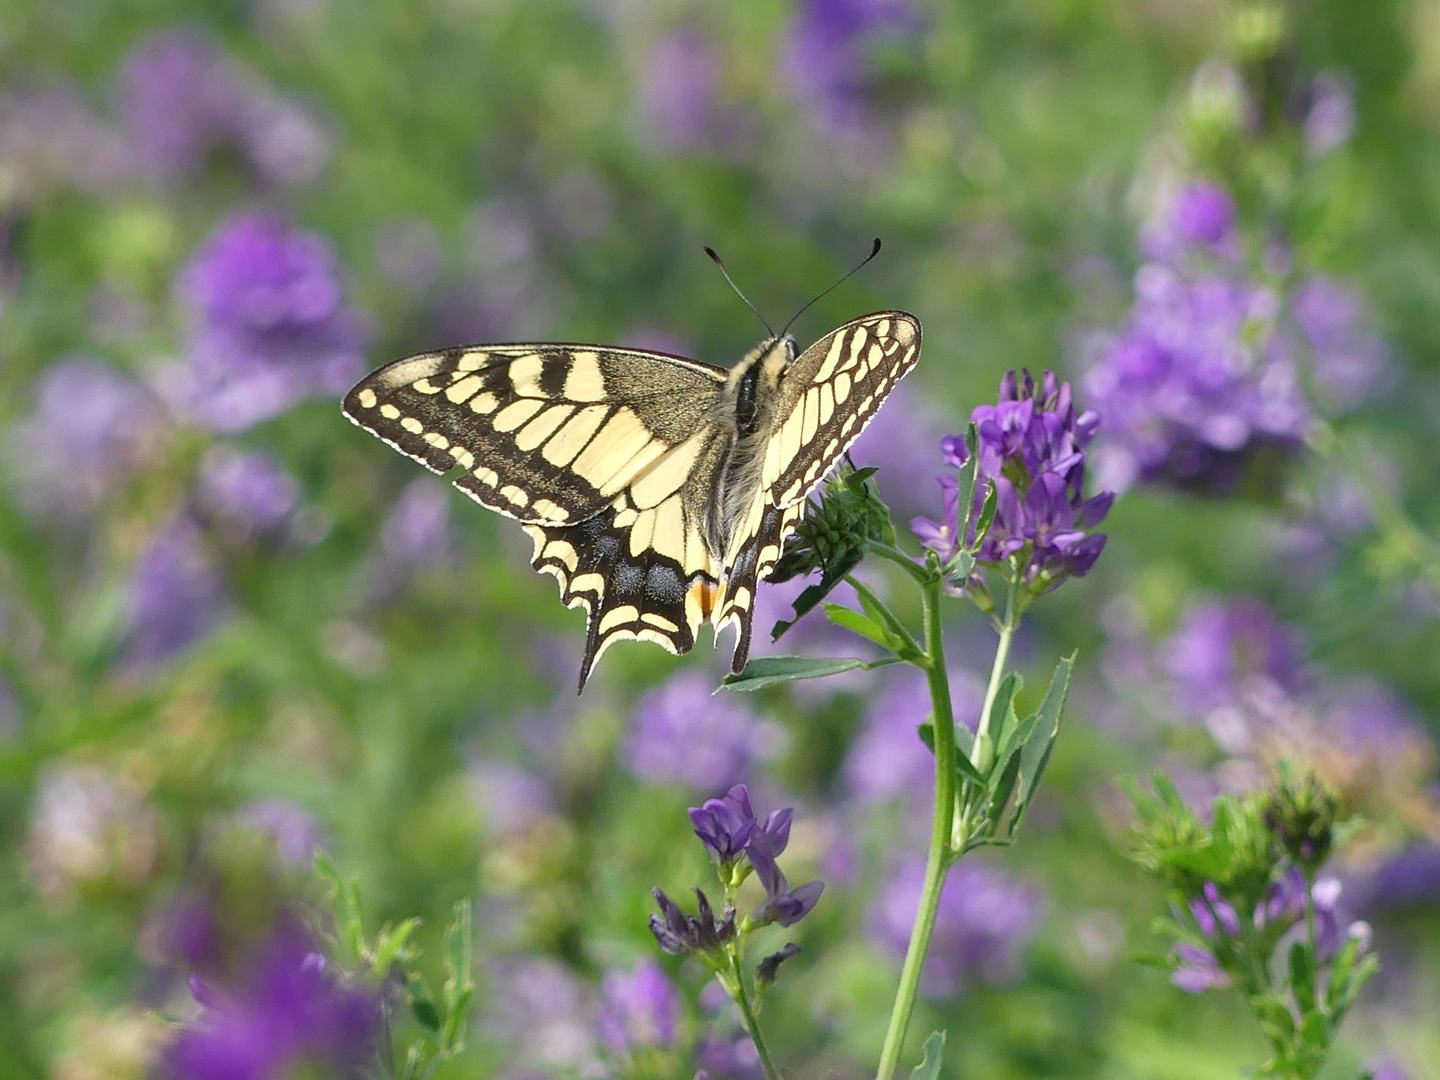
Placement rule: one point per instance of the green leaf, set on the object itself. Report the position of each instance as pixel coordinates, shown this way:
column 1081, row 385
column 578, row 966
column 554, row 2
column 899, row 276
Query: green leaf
column 1315, row 1030
column 967, row 772
column 853, row 621
column 422, row 1002
column 459, row 985
column 1003, row 781
column 929, row 1067
column 960, row 567
column 1302, row 976
column 772, row 670
column 1000, row 712
column 390, row 944
column 987, row 514
column 1035, row 751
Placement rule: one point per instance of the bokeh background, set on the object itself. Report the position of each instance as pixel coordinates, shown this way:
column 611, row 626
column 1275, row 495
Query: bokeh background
column 233, row 627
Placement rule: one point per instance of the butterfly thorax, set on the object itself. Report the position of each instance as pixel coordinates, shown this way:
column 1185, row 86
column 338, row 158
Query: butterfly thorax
column 748, row 406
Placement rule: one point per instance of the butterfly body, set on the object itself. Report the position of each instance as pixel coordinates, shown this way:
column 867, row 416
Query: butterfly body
column 658, row 491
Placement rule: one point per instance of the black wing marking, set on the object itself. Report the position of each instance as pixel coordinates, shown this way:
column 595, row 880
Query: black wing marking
column 545, row 433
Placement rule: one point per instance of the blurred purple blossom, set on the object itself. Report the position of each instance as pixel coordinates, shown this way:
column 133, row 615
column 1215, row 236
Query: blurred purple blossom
column 268, row 324
column 1349, row 360
column 1222, row 646
column 417, row 532
column 295, row 831
column 1280, row 914
column 677, row 91
column 246, row 491
column 51, row 140
column 639, row 1009
column 886, row 758
column 1196, row 215
column 682, row 733
column 1032, row 451
column 181, row 98
column 1410, row 878
column 409, row 253
column 91, row 428
column 830, row 60
column 546, row 1015
column 1205, row 375
column 1330, row 113
column 175, row 595
column 287, row 1013
column 507, row 796
column 985, row 922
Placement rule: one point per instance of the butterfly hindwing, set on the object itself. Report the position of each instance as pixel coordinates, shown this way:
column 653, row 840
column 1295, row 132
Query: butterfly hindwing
column 544, row 433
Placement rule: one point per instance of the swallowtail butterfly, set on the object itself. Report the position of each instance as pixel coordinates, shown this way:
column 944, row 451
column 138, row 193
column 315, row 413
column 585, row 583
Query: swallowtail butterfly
column 657, row 490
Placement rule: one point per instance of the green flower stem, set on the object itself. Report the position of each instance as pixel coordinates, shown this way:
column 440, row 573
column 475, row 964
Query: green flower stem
column 747, row 1016
column 939, row 860
column 1006, row 628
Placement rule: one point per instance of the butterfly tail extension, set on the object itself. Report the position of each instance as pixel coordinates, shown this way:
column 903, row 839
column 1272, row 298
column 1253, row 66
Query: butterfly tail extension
column 755, row 559
column 626, row 597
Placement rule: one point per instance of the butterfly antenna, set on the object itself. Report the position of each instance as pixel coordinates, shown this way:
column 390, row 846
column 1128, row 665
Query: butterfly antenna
column 711, row 252
column 873, row 252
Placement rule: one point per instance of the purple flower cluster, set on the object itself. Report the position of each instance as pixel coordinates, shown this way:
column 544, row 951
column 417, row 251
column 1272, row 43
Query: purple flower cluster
column 684, row 734
column 1224, row 649
column 639, row 1009
column 737, row 842
column 1032, row 452
column 288, row 1014
column 1205, row 375
column 830, row 61
column 90, row 430
column 181, row 99
column 175, row 597
column 729, row 830
column 269, row 325
column 677, row 90
column 246, row 492
column 985, row 921
column 1200, row 969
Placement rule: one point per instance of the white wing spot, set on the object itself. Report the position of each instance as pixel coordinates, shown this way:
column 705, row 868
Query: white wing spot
column 461, row 390
column 484, row 403
column 488, row 477
column 435, row 439
column 367, row 398
column 389, row 412
column 516, row 495
column 619, row 617
column 412, row 425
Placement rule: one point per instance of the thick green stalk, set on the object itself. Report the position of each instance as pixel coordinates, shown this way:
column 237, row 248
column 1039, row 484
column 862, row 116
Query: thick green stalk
column 939, row 859
column 752, row 1025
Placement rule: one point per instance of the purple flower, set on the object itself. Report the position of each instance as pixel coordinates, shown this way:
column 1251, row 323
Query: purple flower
column 985, row 922
column 1199, row 381
column 51, row 140
column 1032, row 451
column 175, row 596
column 1348, row 359
column 639, row 1009
column 1198, row 970
column 293, row 829
column 725, row 825
column 1330, row 116
column 1221, row 649
column 418, row 533
column 247, row 492
column 178, row 100
column 887, row 758
column 677, row 90
column 1198, row 215
column 1214, row 913
column 830, row 61
column 181, row 99
column 268, row 324
column 782, row 904
column 288, row 1013
column 685, row 935
column 682, row 734
column 90, row 430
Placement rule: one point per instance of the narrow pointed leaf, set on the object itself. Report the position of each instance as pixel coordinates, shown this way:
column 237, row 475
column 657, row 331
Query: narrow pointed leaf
column 853, row 621
column 773, row 670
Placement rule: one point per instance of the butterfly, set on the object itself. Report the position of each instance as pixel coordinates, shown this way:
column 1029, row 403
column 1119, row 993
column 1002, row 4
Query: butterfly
column 658, row 490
